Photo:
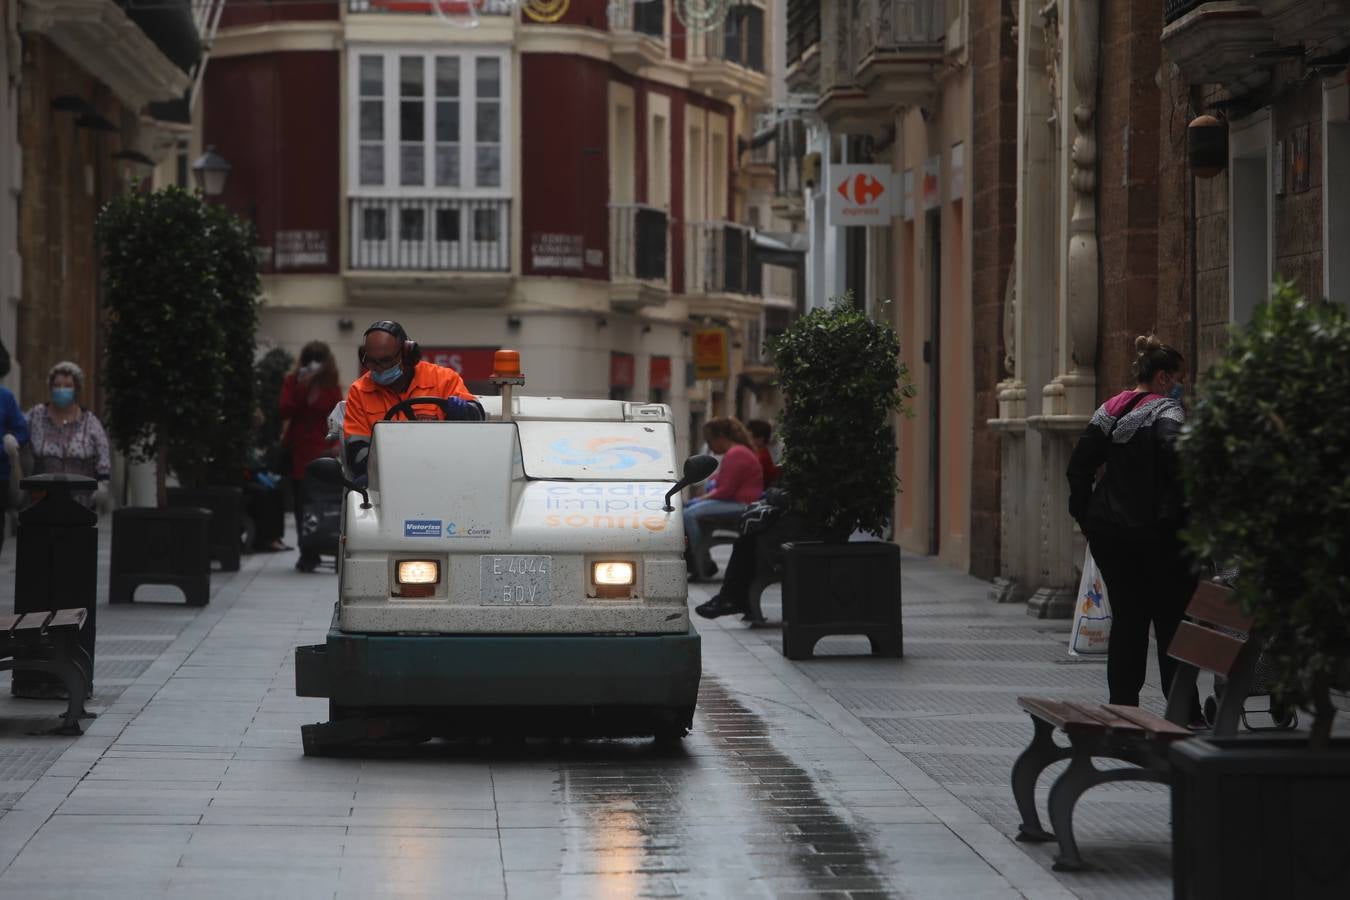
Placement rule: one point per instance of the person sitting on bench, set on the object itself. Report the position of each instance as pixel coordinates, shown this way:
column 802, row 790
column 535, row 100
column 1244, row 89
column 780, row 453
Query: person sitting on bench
column 734, row 597
column 740, row 482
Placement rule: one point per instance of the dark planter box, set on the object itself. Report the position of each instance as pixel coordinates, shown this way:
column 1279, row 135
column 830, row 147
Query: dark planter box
column 1258, row 817
column 161, row 546
column 227, row 519
column 846, row 588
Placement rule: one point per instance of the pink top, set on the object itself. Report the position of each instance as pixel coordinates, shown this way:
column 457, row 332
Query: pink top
column 740, row 477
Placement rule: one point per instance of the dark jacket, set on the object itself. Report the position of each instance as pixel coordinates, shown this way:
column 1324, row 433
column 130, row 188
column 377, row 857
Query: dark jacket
column 1139, row 495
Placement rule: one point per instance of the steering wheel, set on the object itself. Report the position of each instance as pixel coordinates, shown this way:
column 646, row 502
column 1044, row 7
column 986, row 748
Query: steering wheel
column 405, row 407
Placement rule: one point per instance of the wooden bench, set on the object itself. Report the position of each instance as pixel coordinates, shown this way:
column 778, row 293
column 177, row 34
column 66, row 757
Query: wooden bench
column 50, row 642
column 716, row 530
column 1204, row 641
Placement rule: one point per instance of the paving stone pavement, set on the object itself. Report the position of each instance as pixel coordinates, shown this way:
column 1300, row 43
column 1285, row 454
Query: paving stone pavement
column 841, row 776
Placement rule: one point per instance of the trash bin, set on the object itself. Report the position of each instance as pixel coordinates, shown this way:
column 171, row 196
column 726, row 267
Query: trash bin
column 56, row 566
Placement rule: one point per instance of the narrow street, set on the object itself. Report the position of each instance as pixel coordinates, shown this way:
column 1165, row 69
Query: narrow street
column 843, row 776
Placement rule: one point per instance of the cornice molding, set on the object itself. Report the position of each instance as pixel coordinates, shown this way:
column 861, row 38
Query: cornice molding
column 98, row 36
column 281, row 37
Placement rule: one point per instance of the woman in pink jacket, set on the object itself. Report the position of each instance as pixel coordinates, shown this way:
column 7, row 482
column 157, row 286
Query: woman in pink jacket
column 739, row 482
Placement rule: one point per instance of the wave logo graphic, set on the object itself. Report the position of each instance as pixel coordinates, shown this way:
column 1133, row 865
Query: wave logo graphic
column 610, row 454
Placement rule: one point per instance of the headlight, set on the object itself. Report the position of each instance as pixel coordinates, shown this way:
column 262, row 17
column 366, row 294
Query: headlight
column 419, row 571
column 612, row 573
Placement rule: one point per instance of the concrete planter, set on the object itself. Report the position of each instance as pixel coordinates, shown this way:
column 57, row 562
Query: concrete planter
column 161, row 546
column 1258, row 816
column 841, row 588
column 226, row 505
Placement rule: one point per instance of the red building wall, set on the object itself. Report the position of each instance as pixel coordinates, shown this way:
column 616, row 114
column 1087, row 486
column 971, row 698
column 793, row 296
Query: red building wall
column 564, row 160
column 275, row 118
column 237, row 13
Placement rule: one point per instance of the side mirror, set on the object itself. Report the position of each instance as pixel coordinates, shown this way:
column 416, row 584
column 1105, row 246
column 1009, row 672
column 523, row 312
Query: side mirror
column 697, row 469
column 329, row 471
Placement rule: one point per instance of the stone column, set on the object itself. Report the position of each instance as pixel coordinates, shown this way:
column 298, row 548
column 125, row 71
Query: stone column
column 1068, row 400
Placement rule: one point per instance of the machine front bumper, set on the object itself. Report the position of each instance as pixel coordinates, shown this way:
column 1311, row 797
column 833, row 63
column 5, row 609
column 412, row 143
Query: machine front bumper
column 383, row 671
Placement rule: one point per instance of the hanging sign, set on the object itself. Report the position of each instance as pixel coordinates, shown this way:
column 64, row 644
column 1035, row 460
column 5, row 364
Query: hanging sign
column 861, row 195
column 659, row 373
column 932, row 183
column 622, row 370
column 710, row 353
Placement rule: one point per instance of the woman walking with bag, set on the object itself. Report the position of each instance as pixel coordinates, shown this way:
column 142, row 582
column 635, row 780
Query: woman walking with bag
column 1132, row 517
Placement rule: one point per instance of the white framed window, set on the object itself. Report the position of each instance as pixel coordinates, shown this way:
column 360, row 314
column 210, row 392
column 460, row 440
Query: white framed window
column 429, row 123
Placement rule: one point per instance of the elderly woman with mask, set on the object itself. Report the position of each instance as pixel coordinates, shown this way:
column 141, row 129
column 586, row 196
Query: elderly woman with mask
column 66, row 437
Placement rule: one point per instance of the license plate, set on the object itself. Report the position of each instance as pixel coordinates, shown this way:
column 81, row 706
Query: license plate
column 514, row 580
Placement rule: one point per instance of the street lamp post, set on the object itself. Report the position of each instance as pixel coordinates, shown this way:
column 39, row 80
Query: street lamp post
column 210, row 172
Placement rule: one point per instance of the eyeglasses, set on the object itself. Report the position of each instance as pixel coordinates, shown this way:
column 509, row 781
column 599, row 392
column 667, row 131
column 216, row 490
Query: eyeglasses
column 381, row 365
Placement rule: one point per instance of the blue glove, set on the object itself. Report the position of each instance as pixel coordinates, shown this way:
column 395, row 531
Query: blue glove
column 458, row 409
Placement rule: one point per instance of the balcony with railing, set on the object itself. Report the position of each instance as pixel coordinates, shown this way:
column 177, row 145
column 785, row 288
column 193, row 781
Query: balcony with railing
column 639, row 255
column 429, row 234
column 881, row 54
column 729, row 59
column 790, row 145
column 638, row 33
column 465, row 11
column 719, row 278
column 803, row 45
column 1217, row 42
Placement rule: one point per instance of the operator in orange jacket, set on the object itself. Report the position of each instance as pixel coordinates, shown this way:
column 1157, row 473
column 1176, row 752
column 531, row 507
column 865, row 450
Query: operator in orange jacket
column 394, row 373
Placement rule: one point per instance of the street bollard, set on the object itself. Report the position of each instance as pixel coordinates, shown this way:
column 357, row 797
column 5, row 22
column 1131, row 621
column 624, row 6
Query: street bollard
column 56, row 565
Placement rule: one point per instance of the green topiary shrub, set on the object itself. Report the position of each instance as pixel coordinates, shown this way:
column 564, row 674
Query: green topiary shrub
column 180, row 286
column 842, row 381
column 1266, row 460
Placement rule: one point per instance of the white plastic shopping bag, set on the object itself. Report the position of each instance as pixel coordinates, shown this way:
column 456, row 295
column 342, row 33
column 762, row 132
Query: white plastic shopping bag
column 1091, row 613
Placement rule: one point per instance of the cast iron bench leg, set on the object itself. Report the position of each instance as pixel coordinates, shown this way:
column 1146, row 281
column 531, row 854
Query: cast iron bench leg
column 1077, row 778
column 1040, row 753
column 73, row 679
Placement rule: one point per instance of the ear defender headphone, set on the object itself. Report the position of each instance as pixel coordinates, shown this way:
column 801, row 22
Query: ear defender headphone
column 412, row 354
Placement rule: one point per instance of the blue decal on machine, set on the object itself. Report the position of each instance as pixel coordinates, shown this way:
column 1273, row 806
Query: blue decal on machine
column 430, row 528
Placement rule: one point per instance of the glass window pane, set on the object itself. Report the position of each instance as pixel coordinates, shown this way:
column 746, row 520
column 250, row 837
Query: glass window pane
column 410, row 76
column 374, row 225
column 411, row 164
column 447, row 76
column 410, row 125
column 410, row 225
column 447, row 224
column 489, row 123
column 372, row 164
column 447, row 121
column 372, row 76
column 447, row 166
column 488, row 167
column 489, row 76
column 372, row 120
column 485, row 225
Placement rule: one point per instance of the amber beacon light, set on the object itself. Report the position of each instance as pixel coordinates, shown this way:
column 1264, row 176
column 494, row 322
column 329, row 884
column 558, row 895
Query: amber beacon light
column 506, row 374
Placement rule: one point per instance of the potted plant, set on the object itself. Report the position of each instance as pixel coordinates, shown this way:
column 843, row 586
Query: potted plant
column 166, row 355
column 1266, row 462
column 843, row 384
column 214, row 481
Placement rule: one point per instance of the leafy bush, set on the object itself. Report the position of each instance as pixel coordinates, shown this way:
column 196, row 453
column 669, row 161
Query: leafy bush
column 842, row 379
column 180, row 286
column 1266, row 459
column 269, row 373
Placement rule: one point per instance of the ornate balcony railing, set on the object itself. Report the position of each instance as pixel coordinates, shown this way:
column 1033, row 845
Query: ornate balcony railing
column 430, row 234
column 739, row 39
column 790, row 148
column 647, row 18
column 897, row 25
column 717, row 260
column 486, row 8
column 639, row 243
column 1175, row 9
column 803, row 28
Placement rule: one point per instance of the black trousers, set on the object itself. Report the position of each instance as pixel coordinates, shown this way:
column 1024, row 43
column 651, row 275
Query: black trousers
column 297, row 485
column 740, row 571
column 1148, row 582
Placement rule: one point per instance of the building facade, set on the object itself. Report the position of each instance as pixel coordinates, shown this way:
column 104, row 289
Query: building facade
column 890, row 85
column 574, row 189
column 79, row 79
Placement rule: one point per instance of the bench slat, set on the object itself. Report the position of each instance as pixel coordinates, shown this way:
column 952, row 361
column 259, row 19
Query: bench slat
column 1060, row 714
column 30, row 622
column 68, row 618
column 1105, row 717
column 7, row 622
column 1217, row 605
column 1155, row 725
column 1205, row 649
